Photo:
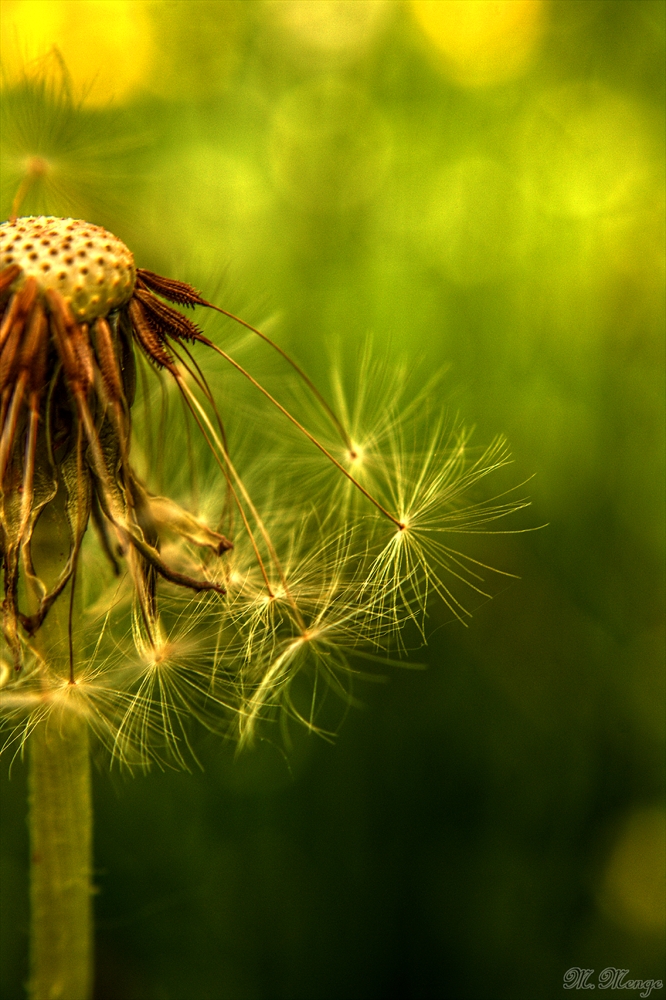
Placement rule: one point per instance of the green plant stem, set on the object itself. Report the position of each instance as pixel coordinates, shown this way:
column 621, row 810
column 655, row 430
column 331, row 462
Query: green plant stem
column 61, row 861
column 60, row 803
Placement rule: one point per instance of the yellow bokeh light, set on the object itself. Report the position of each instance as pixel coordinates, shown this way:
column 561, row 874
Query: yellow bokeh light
column 585, row 151
column 634, row 889
column 218, row 207
column 330, row 25
column 329, row 146
column 473, row 221
column 106, row 44
column 195, row 57
column 483, row 41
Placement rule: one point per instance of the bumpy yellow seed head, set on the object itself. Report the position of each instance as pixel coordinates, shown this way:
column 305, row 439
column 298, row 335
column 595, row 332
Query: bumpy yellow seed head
column 92, row 270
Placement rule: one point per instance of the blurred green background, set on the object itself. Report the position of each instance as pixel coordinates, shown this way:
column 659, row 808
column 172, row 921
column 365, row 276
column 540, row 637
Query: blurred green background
column 478, row 186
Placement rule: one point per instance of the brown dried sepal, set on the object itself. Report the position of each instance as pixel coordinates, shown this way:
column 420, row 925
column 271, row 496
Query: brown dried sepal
column 166, row 322
column 107, row 361
column 174, row 291
column 50, row 360
column 148, row 338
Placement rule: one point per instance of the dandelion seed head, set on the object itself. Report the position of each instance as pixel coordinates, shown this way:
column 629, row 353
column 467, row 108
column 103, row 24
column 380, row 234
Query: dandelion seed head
column 90, row 268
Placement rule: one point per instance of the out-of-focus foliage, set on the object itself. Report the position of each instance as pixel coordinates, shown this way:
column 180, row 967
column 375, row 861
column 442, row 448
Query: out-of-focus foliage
column 484, row 192
column 59, row 155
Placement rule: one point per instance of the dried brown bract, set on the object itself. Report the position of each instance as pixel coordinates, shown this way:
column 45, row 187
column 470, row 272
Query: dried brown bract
column 74, row 310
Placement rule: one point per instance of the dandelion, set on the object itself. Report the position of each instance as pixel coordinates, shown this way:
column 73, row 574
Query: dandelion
column 274, row 592
column 317, row 548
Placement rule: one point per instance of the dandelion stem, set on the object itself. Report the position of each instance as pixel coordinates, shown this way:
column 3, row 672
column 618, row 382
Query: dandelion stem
column 61, row 861
column 60, row 810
